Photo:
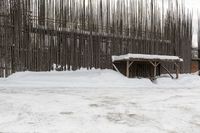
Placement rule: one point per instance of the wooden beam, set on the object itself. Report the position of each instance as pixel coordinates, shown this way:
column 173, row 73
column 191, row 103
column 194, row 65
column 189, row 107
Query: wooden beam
column 155, row 72
column 131, row 64
column 177, row 70
column 116, row 68
column 4, row 73
column 167, row 71
column 155, row 65
column 127, row 68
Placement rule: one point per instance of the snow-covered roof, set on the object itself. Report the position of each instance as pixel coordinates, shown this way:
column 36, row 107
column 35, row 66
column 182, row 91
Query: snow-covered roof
column 146, row 57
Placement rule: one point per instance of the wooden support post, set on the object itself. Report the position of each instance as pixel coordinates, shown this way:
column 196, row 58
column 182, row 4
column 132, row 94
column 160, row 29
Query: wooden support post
column 127, row 68
column 167, row 71
column 131, row 64
column 177, row 70
column 155, row 72
column 116, row 68
column 155, row 65
column 4, row 73
column 4, row 70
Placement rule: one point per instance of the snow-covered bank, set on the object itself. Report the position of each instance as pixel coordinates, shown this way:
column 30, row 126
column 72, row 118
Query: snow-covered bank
column 185, row 81
column 80, row 78
column 69, row 102
column 94, row 78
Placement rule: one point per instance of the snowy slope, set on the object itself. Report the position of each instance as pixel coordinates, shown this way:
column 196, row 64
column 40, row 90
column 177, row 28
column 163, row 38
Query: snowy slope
column 80, row 78
column 93, row 78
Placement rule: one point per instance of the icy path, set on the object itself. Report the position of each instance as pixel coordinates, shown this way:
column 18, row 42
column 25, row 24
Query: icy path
column 99, row 110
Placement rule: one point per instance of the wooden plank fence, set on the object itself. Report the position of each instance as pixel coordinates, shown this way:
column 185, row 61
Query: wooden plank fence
column 198, row 39
column 35, row 34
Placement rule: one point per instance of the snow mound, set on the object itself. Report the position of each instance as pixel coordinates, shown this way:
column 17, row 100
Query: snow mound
column 80, row 78
column 185, row 80
column 95, row 78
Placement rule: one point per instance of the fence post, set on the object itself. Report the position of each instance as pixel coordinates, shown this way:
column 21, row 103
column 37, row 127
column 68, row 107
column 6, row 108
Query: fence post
column 4, row 70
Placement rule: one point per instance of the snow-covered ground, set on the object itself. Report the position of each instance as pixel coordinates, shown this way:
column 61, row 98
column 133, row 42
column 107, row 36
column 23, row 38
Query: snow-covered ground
column 98, row 101
column 94, row 78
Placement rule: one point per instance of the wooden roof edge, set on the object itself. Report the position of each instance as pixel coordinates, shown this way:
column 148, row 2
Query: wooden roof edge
column 146, row 57
column 140, row 59
column 80, row 31
column 195, row 59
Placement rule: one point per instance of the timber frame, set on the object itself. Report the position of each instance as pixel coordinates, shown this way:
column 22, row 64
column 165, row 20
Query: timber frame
column 154, row 62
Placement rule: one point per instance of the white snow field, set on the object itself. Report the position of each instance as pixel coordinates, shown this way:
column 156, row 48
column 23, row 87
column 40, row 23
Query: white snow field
column 98, row 101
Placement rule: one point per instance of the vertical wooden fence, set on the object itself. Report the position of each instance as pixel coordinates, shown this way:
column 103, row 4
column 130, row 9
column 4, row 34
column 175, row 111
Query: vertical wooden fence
column 198, row 39
column 35, row 34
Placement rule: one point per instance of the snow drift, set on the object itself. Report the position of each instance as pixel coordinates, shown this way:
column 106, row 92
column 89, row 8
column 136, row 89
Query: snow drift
column 64, row 102
column 93, row 78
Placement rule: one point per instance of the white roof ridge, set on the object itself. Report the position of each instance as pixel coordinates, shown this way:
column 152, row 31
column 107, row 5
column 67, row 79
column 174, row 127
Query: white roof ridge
column 145, row 56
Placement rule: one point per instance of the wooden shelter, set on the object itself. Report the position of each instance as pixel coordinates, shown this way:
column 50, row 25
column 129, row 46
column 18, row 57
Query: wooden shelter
column 153, row 63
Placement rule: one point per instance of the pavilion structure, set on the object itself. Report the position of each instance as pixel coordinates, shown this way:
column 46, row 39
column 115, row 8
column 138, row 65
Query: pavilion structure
column 129, row 65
